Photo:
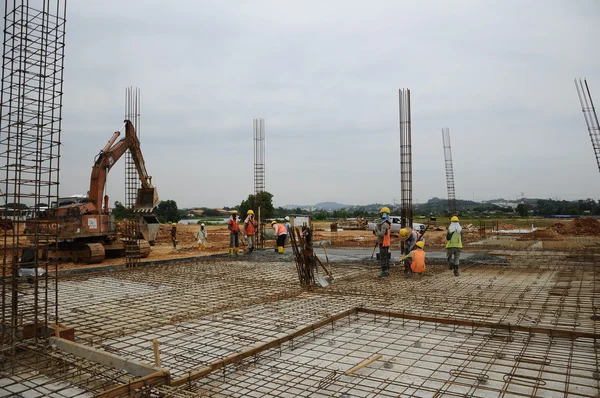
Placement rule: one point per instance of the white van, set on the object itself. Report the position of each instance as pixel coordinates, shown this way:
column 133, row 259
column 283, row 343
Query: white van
column 396, row 222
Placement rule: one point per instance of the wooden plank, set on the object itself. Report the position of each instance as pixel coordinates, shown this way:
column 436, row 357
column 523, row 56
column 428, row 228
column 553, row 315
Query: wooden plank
column 572, row 334
column 362, row 364
column 161, row 377
column 102, row 357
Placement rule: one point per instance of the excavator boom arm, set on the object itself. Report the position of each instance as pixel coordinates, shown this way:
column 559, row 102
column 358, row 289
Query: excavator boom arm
column 147, row 196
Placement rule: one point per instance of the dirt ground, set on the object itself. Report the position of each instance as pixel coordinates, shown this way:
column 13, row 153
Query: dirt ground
column 435, row 239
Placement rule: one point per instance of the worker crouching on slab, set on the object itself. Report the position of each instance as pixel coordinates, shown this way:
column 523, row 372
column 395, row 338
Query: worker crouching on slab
column 281, row 234
column 410, row 238
column 454, row 244
column 417, row 259
column 383, row 231
column 234, row 231
column 249, row 230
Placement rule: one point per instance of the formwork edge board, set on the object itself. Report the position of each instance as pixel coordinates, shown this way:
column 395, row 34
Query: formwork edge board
column 573, row 334
column 103, row 358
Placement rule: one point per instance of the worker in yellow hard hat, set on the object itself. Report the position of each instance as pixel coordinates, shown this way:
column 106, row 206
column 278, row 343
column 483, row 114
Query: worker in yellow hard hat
column 234, row 231
column 383, row 230
column 174, row 234
column 408, row 242
column 417, row 257
column 249, row 229
column 454, row 244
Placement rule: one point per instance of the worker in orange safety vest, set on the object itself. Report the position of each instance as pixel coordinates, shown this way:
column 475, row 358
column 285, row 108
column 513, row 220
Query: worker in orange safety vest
column 281, row 234
column 418, row 259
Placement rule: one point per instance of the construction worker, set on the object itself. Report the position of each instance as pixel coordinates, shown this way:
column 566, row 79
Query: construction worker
column 383, row 231
column 417, row 257
column 174, row 234
column 202, row 236
column 281, row 234
column 234, row 230
column 309, row 253
column 454, row 244
column 410, row 238
column 249, row 230
column 287, row 227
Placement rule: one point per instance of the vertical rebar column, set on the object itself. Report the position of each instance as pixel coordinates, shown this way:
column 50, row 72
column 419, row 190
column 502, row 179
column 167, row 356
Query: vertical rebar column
column 259, row 156
column 449, row 171
column 589, row 113
column 259, row 173
column 131, row 226
column 30, row 129
column 406, row 210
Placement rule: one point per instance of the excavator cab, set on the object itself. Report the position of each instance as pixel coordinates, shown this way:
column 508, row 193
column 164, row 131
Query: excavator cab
column 147, row 199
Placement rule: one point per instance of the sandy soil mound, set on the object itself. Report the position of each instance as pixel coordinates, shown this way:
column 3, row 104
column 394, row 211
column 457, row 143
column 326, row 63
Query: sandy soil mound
column 579, row 227
column 542, row 234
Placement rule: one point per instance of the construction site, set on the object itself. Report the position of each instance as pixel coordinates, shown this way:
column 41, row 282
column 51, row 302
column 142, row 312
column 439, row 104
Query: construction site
column 92, row 307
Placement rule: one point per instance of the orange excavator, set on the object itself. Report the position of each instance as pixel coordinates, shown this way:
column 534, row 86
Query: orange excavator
column 86, row 230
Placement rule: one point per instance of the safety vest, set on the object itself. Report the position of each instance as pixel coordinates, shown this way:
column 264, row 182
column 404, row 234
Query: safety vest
column 250, row 227
column 386, row 237
column 418, row 262
column 455, row 241
column 281, row 230
column 234, row 226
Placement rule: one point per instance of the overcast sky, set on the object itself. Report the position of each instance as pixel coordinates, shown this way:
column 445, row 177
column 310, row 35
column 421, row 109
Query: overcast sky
column 325, row 76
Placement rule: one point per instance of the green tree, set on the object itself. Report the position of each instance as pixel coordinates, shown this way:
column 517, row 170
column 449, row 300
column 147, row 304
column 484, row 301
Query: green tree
column 264, row 200
column 523, row 209
column 120, row 212
column 167, row 211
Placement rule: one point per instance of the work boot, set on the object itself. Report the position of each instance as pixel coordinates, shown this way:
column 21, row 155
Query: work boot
column 450, row 266
column 456, row 273
column 384, row 274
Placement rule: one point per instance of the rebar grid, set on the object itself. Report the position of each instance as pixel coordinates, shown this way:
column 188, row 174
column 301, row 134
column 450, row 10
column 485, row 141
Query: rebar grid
column 44, row 371
column 204, row 312
column 30, row 129
column 417, row 359
column 449, row 171
column 122, row 303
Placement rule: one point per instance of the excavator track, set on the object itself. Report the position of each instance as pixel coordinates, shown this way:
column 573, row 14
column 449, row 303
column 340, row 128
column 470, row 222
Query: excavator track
column 92, row 253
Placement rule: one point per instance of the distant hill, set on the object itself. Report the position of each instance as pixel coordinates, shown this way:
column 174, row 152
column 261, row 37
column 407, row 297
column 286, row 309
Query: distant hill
column 331, row 206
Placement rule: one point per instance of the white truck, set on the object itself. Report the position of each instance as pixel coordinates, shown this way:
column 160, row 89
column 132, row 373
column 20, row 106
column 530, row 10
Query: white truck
column 396, row 222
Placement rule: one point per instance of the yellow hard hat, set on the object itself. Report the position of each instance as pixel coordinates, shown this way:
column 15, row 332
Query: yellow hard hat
column 454, row 219
column 420, row 244
column 273, row 222
column 404, row 233
column 174, row 224
column 250, row 211
column 385, row 209
column 233, row 211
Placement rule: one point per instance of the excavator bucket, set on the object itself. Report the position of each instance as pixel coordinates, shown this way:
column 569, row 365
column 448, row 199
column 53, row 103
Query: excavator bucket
column 147, row 199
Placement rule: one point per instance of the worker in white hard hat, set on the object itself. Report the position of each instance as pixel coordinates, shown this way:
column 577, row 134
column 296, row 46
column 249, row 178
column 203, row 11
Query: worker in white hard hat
column 280, row 233
column 249, row 229
column 287, row 228
column 202, row 237
column 383, row 231
column 454, row 244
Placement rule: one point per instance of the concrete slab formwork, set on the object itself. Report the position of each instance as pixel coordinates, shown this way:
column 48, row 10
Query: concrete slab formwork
column 523, row 326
